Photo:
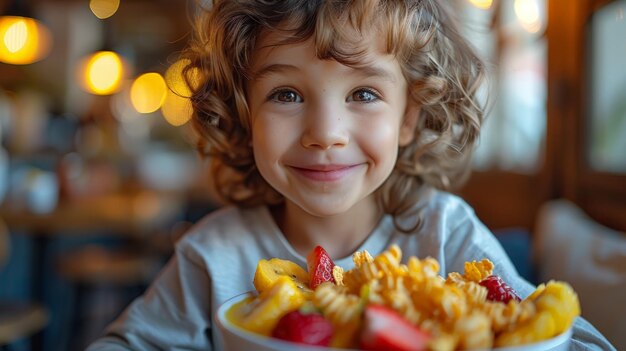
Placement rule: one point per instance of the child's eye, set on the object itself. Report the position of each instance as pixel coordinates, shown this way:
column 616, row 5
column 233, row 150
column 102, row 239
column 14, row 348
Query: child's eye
column 285, row 96
column 364, row 95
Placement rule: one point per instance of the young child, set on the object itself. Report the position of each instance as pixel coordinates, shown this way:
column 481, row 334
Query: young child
column 328, row 122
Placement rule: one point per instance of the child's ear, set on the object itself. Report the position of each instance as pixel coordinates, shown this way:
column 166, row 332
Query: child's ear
column 409, row 123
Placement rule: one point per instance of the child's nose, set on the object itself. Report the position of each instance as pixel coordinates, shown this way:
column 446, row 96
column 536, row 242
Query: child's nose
column 325, row 129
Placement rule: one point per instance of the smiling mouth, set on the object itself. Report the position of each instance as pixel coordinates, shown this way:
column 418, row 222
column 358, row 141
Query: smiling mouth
column 328, row 173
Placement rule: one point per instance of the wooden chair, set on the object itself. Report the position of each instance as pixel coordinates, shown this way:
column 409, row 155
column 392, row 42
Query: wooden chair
column 92, row 267
column 18, row 319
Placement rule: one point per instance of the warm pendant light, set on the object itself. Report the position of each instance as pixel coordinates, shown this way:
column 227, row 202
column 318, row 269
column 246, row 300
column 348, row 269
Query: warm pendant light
column 102, row 72
column 104, row 8
column 23, row 40
column 148, row 92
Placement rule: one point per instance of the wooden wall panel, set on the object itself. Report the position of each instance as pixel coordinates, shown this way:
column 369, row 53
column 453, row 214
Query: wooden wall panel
column 504, row 199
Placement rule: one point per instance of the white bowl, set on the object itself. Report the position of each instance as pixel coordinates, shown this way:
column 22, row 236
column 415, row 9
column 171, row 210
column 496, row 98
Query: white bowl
column 235, row 338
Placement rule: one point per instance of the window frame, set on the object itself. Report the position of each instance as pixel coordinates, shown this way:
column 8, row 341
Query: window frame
column 602, row 195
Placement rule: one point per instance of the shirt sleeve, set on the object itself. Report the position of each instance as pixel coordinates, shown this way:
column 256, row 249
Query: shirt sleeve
column 173, row 314
column 471, row 240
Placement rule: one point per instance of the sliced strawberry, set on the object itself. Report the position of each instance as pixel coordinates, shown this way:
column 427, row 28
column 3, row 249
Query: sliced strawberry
column 498, row 290
column 384, row 329
column 304, row 328
column 320, row 267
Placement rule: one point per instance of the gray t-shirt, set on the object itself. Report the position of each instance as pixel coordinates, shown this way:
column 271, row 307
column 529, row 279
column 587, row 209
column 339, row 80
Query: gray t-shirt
column 217, row 259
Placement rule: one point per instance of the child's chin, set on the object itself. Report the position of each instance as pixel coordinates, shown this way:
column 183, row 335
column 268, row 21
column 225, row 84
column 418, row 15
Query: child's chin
column 324, row 209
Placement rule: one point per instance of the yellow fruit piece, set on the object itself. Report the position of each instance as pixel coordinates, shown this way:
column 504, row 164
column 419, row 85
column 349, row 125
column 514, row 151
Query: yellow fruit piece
column 557, row 306
column 263, row 313
column 538, row 328
column 268, row 272
column 236, row 311
column 560, row 300
column 540, row 289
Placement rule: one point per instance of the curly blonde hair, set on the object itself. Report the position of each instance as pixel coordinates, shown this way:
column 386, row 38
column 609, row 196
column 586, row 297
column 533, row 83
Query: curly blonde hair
column 442, row 71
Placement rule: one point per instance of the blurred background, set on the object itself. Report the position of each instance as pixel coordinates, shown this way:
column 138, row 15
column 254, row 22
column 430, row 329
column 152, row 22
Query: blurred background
column 99, row 177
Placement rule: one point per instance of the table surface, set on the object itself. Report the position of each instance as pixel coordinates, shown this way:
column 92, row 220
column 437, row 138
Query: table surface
column 123, row 212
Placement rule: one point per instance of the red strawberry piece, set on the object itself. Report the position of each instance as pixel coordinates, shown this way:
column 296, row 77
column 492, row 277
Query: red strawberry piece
column 320, row 267
column 498, row 290
column 304, row 328
column 385, row 329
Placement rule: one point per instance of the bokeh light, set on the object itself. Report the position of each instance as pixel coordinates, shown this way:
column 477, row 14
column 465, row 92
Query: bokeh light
column 148, row 92
column 102, row 73
column 177, row 106
column 104, row 8
column 529, row 15
column 175, row 79
column 23, row 40
column 176, row 109
column 482, row 4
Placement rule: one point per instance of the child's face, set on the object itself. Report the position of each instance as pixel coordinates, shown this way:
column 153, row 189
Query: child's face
column 325, row 135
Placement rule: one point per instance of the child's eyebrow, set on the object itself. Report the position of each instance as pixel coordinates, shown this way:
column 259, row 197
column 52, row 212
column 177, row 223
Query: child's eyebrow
column 273, row 68
column 376, row 72
column 366, row 71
